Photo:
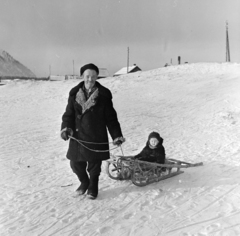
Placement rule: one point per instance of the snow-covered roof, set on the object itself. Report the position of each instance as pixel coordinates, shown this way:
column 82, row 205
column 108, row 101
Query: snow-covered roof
column 125, row 70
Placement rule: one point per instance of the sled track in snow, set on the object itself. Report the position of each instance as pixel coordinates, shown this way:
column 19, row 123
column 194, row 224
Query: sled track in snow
column 200, row 211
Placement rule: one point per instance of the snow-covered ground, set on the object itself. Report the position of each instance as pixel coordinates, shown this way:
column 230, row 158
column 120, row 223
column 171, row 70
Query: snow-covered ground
column 195, row 108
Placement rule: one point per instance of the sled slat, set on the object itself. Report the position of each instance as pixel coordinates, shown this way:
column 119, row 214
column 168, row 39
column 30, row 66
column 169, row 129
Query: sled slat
column 143, row 173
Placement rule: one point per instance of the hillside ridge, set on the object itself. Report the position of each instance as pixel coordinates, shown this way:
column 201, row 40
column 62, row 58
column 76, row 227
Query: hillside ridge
column 11, row 67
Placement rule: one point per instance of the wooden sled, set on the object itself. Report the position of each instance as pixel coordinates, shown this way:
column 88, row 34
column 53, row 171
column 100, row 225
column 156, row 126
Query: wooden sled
column 143, row 173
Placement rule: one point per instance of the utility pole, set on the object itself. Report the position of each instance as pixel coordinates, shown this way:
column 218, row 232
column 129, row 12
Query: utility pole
column 127, row 59
column 179, row 60
column 227, row 45
column 73, row 67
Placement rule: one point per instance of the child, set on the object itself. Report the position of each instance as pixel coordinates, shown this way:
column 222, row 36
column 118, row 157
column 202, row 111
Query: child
column 154, row 150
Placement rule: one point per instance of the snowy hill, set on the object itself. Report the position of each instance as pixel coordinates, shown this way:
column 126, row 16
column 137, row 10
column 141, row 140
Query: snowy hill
column 11, row 67
column 195, row 108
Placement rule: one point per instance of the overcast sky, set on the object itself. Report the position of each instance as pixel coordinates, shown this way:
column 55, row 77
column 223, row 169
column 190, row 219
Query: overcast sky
column 53, row 33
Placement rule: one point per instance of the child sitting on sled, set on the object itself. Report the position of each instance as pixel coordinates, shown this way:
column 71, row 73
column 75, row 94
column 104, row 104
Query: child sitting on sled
column 154, row 150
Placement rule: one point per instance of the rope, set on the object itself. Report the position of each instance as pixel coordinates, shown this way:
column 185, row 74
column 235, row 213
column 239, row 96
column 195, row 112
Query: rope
column 88, row 142
column 93, row 150
column 121, row 150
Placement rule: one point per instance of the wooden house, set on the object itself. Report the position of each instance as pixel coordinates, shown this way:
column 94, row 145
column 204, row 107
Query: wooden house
column 103, row 73
column 126, row 70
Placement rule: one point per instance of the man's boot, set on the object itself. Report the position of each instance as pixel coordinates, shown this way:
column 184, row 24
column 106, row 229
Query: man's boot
column 94, row 170
column 79, row 168
column 93, row 187
column 83, row 186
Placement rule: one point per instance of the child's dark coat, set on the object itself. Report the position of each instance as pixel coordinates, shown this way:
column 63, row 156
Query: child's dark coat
column 153, row 155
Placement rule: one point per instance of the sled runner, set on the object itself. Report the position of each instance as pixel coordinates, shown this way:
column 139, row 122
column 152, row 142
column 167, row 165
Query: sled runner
column 143, row 173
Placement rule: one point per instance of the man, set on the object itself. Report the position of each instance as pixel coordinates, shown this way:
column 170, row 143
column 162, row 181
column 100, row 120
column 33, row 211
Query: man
column 88, row 115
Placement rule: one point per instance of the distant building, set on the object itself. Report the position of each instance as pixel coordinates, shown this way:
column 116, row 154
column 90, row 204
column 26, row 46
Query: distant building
column 57, row 77
column 72, row 77
column 126, row 70
column 103, row 73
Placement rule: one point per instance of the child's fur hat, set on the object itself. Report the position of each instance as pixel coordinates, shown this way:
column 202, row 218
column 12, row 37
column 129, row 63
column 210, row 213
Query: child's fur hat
column 155, row 135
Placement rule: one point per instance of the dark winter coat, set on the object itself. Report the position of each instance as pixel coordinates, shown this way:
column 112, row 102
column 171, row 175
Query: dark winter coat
column 91, row 125
column 153, row 155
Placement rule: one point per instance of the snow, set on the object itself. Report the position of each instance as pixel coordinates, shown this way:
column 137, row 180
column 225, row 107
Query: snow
column 196, row 109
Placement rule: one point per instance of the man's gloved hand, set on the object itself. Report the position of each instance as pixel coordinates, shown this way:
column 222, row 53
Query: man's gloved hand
column 65, row 133
column 118, row 141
